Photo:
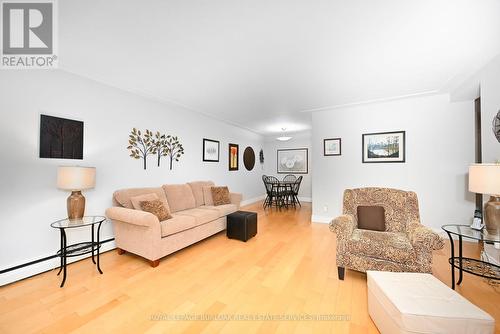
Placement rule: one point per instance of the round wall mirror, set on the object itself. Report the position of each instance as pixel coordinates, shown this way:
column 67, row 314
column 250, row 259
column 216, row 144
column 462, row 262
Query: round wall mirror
column 249, row 158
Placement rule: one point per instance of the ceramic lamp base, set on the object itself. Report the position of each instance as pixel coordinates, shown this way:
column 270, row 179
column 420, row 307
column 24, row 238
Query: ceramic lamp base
column 492, row 215
column 76, row 205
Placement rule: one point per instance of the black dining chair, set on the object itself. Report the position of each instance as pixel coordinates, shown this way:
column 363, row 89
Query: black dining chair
column 276, row 191
column 269, row 192
column 295, row 191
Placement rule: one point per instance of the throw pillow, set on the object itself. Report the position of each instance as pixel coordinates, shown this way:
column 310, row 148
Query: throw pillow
column 207, row 195
column 220, row 196
column 136, row 200
column 371, row 218
column 157, row 208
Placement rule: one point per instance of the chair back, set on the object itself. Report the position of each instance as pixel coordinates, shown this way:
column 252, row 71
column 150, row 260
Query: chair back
column 401, row 207
column 296, row 185
column 290, row 178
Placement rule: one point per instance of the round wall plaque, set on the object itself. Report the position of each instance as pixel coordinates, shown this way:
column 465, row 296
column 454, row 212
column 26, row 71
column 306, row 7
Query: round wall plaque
column 249, row 158
column 496, row 126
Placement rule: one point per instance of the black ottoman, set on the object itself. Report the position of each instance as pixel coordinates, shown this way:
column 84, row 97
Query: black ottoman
column 241, row 225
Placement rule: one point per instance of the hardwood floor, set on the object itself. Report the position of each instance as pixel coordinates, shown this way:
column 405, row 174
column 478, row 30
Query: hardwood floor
column 287, row 269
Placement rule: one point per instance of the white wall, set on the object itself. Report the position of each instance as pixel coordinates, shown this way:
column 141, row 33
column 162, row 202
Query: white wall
column 490, row 105
column 439, row 147
column 29, row 200
column 271, row 146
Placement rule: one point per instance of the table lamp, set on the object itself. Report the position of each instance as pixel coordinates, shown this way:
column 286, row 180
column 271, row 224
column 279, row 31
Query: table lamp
column 76, row 179
column 485, row 179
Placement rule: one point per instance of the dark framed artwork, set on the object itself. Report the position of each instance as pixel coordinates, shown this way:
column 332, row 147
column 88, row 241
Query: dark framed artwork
column 60, row 138
column 332, row 146
column 249, row 158
column 292, row 161
column 384, row 147
column 211, row 150
column 233, row 157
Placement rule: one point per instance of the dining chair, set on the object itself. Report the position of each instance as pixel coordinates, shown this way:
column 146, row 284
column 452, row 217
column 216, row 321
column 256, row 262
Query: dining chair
column 296, row 188
column 289, row 178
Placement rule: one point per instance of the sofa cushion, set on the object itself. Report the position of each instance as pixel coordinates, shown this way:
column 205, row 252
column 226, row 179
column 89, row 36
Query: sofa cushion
column 123, row 196
column 207, row 195
column 176, row 224
column 136, row 200
column 220, row 195
column 223, row 210
column 201, row 215
column 371, row 217
column 157, row 208
column 392, row 246
column 179, row 196
column 197, row 189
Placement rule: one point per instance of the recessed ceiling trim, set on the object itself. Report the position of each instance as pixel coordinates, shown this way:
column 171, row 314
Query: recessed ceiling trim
column 385, row 99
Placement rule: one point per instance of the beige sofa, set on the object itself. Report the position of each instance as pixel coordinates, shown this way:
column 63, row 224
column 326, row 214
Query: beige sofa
column 194, row 217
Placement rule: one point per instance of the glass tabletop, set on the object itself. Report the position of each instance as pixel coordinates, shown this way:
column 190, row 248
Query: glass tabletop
column 467, row 232
column 71, row 223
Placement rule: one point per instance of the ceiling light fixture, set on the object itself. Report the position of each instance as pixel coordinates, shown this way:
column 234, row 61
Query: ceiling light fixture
column 284, row 138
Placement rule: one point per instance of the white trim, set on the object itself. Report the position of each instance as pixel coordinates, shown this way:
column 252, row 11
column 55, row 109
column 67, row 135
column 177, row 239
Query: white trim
column 321, row 219
column 381, row 100
column 305, row 199
column 51, row 264
column 252, row 200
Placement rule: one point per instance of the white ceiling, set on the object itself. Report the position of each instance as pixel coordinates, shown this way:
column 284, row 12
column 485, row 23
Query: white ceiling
column 260, row 63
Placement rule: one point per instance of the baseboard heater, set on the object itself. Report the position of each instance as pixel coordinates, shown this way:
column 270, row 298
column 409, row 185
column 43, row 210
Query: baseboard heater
column 3, row 271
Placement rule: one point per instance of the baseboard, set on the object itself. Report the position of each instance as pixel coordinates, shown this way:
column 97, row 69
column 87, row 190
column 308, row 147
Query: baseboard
column 305, row 199
column 253, row 200
column 51, row 264
column 321, row 219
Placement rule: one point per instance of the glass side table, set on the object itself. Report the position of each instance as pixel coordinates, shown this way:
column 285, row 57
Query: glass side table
column 471, row 266
column 80, row 248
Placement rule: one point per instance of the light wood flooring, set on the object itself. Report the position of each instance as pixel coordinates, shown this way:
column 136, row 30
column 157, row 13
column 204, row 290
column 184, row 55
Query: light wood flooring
column 288, row 270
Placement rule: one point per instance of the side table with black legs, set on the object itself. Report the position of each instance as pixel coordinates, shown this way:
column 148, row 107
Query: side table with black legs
column 80, row 248
column 471, row 266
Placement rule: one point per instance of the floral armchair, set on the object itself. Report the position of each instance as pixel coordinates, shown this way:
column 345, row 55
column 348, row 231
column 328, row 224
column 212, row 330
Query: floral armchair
column 405, row 245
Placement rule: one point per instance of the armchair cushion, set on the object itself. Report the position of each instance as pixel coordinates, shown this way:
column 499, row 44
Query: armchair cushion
column 371, row 217
column 392, row 246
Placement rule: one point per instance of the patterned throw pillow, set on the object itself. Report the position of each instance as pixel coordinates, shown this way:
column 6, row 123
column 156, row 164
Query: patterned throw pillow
column 157, row 208
column 220, row 196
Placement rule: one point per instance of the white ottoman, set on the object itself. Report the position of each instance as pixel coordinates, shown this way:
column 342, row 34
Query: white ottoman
column 420, row 303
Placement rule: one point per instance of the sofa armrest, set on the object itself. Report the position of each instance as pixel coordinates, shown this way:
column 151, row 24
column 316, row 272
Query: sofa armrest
column 236, row 198
column 422, row 237
column 343, row 226
column 130, row 216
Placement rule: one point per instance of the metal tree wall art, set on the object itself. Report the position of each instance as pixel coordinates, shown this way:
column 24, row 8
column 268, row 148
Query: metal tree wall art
column 173, row 149
column 140, row 145
column 159, row 142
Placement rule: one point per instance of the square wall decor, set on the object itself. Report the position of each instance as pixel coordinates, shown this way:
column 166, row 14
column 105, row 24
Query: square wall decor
column 332, row 146
column 292, row 161
column 60, row 138
column 384, row 147
column 211, row 150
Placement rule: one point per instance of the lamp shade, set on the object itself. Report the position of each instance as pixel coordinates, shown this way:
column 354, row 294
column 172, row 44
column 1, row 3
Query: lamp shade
column 484, row 179
column 75, row 178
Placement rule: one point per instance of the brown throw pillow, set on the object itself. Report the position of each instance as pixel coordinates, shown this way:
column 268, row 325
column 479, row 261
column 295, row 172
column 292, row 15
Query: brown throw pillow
column 220, row 196
column 136, row 200
column 157, row 208
column 371, row 218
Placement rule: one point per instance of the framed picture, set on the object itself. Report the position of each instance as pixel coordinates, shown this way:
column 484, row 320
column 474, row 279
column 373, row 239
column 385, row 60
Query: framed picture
column 233, row 156
column 211, row 150
column 332, row 146
column 384, row 147
column 292, row 161
column 60, row 138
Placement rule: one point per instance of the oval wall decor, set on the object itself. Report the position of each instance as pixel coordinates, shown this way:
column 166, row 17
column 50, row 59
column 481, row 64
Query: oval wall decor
column 249, row 158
